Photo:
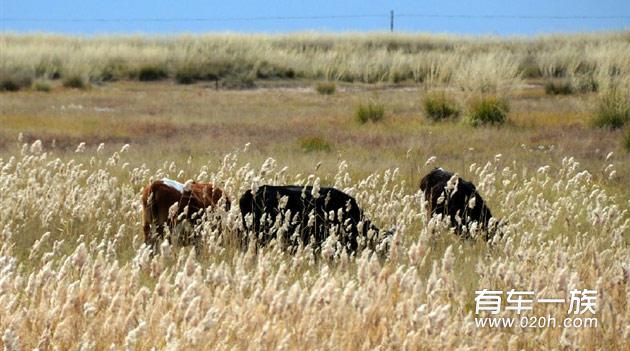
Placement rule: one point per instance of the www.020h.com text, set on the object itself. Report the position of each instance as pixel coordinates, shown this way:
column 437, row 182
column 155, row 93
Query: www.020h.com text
column 536, row 322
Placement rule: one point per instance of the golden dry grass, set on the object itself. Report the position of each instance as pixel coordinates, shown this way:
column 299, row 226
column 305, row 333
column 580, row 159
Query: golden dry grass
column 74, row 262
column 71, row 253
column 470, row 63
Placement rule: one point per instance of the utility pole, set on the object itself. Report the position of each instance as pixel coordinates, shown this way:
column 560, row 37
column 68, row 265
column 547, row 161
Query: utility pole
column 391, row 21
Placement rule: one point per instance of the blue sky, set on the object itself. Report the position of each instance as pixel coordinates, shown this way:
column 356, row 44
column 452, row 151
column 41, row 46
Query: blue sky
column 192, row 16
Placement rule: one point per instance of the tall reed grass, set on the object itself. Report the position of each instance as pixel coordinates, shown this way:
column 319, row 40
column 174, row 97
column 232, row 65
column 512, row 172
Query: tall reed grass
column 471, row 63
column 76, row 275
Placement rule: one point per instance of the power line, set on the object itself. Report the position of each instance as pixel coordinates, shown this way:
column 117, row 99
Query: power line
column 322, row 17
column 194, row 19
column 553, row 17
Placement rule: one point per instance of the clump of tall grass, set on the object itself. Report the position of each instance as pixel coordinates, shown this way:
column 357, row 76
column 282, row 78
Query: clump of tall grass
column 492, row 72
column 151, row 73
column 14, row 84
column 438, row 106
column 315, row 144
column 185, row 77
column 585, row 83
column 558, row 87
column 267, row 70
column 373, row 111
column 488, row 110
column 14, row 80
column 113, row 69
column 75, row 81
column 613, row 109
column 214, row 70
column 529, row 67
column 326, row 88
column 42, row 86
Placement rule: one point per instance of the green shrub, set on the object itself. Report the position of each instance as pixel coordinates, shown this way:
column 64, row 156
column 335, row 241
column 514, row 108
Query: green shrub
column 221, row 67
column 585, row 84
column 15, row 83
column 191, row 73
column 529, row 67
column 437, row 106
column 326, row 88
column 613, row 110
column 488, row 110
column 113, row 70
column 151, row 73
column 75, row 81
column 266, row 70
column 558, row 87
column 626, row 140
column 372, row 111
column 9, row 85
column 43, row 86
column 185, row 77
column 401, row 76
column 313, row 144
column 531, row 72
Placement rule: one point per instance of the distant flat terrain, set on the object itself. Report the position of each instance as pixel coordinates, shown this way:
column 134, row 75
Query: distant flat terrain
column 163, row 120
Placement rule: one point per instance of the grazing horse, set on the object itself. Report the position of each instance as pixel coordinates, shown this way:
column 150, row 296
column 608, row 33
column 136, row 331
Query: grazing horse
column 449, row 195
column 164, row 201
column 305, row 217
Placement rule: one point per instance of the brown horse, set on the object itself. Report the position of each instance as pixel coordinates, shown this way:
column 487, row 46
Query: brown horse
column 158, row 200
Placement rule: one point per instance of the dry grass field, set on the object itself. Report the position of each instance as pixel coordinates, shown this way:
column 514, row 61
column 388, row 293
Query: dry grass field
column 74, row 273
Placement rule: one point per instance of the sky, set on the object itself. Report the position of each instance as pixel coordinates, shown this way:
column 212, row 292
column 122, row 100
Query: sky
column 195, row 16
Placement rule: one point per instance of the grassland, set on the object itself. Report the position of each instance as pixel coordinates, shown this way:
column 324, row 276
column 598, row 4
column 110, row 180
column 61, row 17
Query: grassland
column 466, row 62
column 166, row 121
column 71, row 252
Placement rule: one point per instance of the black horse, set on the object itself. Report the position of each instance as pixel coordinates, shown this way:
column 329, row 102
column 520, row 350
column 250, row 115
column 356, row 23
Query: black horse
column 462, row 203
column 302, row 218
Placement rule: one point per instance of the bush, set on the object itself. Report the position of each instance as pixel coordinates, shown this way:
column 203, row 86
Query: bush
column 113, row 70
column 529, row 67
column 585, row 84
column 75, row 81
column 9, row 85
column 531, row 72
column 266, row 70
column 488, row 110
column 43, row 86
column 613, row 110
column 185, row 77
column 313, row 144
column 326, row 88
column 626, row 140
column 221, row 67
column 558, row 87
column 15, row 83
column 372, row 111
column 150, row 73
column 438, row 107
column 189, row 74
